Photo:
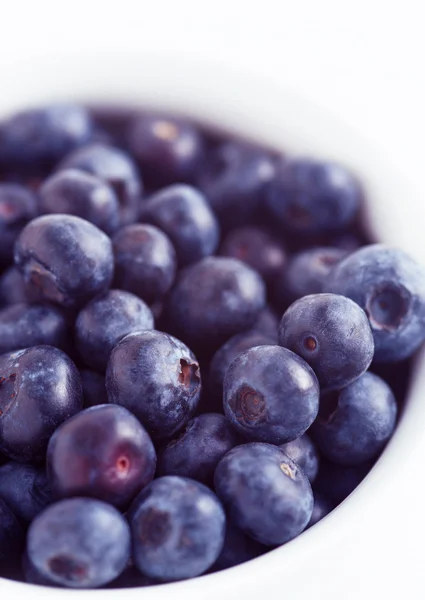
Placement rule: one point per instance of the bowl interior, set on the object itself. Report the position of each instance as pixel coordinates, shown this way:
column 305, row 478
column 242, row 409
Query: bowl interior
column 266, row 112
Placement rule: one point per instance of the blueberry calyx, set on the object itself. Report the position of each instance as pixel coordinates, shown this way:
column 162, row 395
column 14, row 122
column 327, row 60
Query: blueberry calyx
column 249, row 405
column 310, row 343
column 189, row 375
column 387, row 307
column 289, row 470
column 73, row 569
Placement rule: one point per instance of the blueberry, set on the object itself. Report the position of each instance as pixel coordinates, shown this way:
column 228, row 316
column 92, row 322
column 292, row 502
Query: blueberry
column 157, row 378
column 306, row 274
column 113, row 122
column 234, row 181
column 75, row 192
column 79, row 543
column 264, row 492
column 25, row 489
column 270, row 394
column 94, row 389
column 390, row 287
column 237, row 549
column 117, row 169
column 182, row 212
column 198, row 449
column 321, row 508
column 23, row 325
column 213, row 300
column 12, row 288
column 168, row 149
column 336, row 482
column 226, row 354
column 355, row 423
column 104, row 321
column 308, row 197
column 258, row 249
column 332, row 334
column 64, row 259
column 17, row 207
column 102, row 452
column 305, row 454
column 31, row 575
column 178, row 528
column 11, row 536
column 145, row 262
column 39, row 389
column 267, row 323
column 36, row 139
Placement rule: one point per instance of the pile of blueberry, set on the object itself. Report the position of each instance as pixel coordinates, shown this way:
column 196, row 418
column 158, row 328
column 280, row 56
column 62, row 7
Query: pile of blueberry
column 201, row 352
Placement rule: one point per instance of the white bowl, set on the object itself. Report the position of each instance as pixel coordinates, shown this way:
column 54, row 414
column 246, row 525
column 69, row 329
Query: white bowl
column 330, row 559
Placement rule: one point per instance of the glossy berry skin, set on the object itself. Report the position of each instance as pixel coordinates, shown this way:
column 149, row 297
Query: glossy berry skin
column 25, row 490
column 270, row 394
column 117, row 169
column 199, row 448
column 64, row 259
column 24, row 325
column 332, row 334
column 94, row 389
column 40, row 387
column 36, row 139
column 74, row 192
column 390, row 286
column 310, row 197
column 145, row 262
column 168, row 149
column 237, row 549
column 258, row 249
column 157, row 378
column 183, row 213
column 169, row 510
column 321, row 508
column 11, row 536
column 226, row 354
column 17, row 207
column 305, row 454
column 90, row 546
column 264, row 493
column 12, row 288
column 213, row 300
column 355, row 423
column 234, row 181
column 336, row 482
column 104, row 321
column 306, row 273
column 102, row 452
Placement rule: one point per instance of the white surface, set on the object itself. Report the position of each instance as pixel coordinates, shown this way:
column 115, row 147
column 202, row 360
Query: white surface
column 362, row 58
column 362, row 62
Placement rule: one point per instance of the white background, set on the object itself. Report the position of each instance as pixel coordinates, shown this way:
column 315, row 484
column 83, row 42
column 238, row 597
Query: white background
column 364, row 61
column 363, row 58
